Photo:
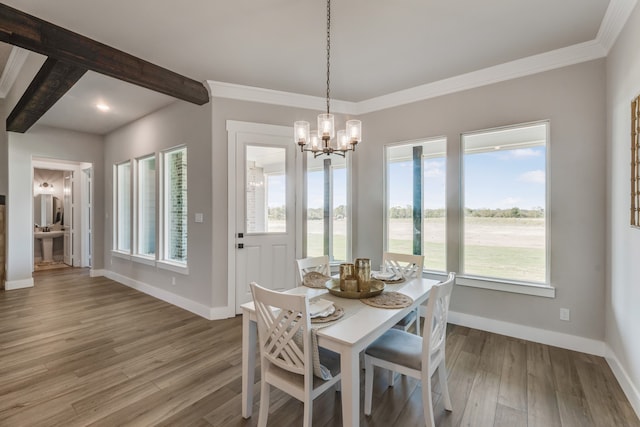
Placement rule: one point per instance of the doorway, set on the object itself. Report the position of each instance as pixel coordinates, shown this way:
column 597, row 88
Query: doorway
column 62, row 195
column 262, row 210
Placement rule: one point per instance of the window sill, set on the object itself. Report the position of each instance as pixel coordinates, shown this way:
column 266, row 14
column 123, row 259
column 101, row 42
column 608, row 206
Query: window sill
column 120, row 254
column 546, row 291
column 144, row 260
column 173, row 266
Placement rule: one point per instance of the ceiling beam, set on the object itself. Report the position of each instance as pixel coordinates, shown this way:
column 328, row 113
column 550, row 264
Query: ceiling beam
column 53, row 80
column 28, row 32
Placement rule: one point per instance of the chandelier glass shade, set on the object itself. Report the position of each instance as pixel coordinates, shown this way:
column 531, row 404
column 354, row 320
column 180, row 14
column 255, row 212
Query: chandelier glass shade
column 324, row 140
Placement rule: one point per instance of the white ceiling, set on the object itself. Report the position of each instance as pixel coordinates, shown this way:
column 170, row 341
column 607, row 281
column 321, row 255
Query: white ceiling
column 378, row 46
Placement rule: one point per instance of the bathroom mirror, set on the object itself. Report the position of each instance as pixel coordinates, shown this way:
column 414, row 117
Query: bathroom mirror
column 48, row 210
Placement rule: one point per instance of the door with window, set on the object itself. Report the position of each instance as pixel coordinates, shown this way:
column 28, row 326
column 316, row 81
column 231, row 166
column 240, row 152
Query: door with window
column 265, row 213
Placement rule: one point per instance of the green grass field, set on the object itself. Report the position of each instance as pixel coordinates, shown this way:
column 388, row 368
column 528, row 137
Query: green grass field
column 504, row 248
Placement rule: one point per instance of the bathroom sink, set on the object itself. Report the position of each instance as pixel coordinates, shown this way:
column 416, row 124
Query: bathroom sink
column 47, row 234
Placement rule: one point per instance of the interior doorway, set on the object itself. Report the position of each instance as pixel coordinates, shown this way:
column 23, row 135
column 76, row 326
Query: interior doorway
column 62, row 217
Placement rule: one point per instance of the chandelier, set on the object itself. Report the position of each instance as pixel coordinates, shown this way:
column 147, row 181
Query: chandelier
column 320, row 141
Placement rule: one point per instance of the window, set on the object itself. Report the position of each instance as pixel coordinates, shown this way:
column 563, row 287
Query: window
column 326, row 196
column 122, row 208
column 416, row 200
column 147, row 206
column 266, row 195
column 175, row 205
column 504, row 200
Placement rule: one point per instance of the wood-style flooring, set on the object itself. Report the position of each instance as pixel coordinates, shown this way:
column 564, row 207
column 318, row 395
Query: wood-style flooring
column 76, row 351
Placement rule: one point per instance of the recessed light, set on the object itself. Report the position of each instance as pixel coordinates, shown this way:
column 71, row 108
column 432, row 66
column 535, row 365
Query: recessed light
column 103, row 107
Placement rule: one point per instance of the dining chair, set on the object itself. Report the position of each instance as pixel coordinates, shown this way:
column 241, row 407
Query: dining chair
column 286, row 351
column 318, row 264
column 408, row 266
column 415, row 356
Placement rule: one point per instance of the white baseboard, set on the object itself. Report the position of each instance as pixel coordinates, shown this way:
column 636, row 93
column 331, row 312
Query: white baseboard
column 630, row 390
column 218, row 313
column 97, row 272
column 543, row 336
column 11, row 285
column 184, row 303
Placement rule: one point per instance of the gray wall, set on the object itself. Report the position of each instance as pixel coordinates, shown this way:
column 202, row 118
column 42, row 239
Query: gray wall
column 623, row 278
column 572, row 99
column 50, row 143
column 177, row 124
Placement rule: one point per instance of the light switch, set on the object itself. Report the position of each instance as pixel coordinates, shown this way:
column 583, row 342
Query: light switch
column 199, row 217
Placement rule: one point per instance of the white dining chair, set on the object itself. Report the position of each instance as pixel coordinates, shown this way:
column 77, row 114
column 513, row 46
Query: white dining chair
column 318, row 264
column 286, row 351
column 408, row 266
column 415, row 356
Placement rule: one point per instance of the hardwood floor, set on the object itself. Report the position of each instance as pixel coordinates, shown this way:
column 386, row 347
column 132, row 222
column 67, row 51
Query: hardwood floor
column 78, row 351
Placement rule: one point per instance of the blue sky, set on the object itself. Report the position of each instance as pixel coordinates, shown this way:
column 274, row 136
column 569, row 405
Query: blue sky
column 494, row 180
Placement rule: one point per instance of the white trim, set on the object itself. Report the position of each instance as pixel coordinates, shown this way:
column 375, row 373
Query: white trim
column 511, row 70
column 161, row 294
column 630, row 390
column 219, row 313
column 171, row 266
column 143, row 260
column 11, row 285
column 276, row 97
column 99, row 272
column 543, row 336
column 516, row 288
column 14, row 64
column 558, row 58
column 613, row 22
column 119, row 254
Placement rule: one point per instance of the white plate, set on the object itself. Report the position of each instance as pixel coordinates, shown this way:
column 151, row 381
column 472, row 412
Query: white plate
column 384, row 276
column 319, row 307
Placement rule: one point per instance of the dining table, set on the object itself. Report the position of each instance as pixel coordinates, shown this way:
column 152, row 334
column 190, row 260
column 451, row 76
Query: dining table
column 358, row 328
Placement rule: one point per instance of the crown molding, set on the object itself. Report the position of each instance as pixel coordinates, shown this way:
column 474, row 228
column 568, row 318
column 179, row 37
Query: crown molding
column 276, row 97
column 511, row 70
column 613, row 22
column 16, row 60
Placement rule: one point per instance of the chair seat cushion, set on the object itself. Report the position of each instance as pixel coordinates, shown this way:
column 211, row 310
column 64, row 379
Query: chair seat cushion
column 399, row 347
column 407, row 320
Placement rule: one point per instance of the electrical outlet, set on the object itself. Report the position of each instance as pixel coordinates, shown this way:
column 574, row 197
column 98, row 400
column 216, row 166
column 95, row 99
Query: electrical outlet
column 173, row 280
column 565, row 314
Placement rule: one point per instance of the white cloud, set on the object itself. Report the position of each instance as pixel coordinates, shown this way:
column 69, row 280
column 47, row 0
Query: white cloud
column 434, row 169
column 534, row 177
column 524, row 153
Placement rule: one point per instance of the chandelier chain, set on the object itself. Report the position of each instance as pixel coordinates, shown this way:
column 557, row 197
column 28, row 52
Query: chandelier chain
column 328, row 50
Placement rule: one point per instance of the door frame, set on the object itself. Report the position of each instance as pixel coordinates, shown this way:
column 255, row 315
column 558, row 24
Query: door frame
column 234, row 128
column 80, row 226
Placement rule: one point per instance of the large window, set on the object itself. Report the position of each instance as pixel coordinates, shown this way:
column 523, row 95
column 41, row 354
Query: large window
column 147, row 206
column 327, row 220
column 175, row 205
column 504, row 193
column 416, row 200
column 122, row 208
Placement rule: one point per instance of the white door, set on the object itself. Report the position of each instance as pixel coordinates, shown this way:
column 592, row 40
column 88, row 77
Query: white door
column 265, row 210
column 68, row 217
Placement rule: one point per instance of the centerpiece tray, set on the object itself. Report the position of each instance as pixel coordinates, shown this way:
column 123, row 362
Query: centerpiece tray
column 333, row 286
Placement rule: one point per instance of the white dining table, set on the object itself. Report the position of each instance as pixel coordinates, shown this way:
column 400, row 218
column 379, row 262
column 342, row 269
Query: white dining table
column 361, row 325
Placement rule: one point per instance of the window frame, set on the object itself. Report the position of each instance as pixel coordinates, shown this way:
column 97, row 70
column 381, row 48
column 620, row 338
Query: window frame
column 117, row 185
column 163, row 238
column 511, row 285
column 140, row 257
column 386, row 207
column 348, row 166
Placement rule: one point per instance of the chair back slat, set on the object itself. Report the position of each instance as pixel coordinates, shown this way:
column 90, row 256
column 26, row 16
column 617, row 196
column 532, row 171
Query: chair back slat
column 318, row 264
column 283, row 328
column 435, row 322
column 409, row 266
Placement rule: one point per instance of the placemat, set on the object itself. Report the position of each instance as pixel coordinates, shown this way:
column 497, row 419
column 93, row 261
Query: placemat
column 337, row 314
column 389, row 300
column 314, row 279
